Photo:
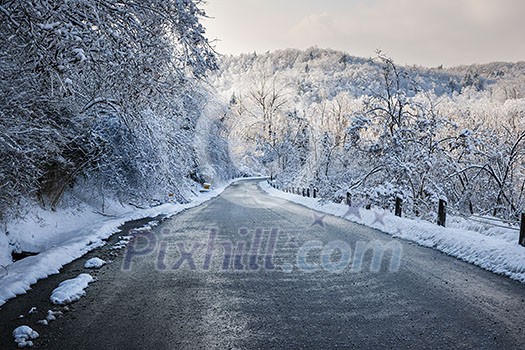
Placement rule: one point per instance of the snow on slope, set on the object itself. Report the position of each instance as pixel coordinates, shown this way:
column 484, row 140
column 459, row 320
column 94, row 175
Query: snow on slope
column 499, row 253
column 86, row 232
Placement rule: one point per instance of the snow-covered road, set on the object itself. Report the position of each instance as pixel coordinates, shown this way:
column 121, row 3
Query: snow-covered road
column 247, row 270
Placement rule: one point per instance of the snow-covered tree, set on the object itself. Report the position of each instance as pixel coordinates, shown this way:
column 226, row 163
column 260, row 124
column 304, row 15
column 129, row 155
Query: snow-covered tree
column 102, row 95
column 381, row 130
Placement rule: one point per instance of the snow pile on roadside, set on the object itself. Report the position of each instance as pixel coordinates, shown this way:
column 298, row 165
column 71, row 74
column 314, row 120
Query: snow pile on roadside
column 71, row 290
column 87, row 231
column 50, row 317
column 124, row 240
column 495, row 250
column 23, row 336
column 94, row 263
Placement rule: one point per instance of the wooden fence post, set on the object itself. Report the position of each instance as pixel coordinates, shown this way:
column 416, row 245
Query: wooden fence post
column 304, row 193
column 399, row 203
column 308, row 192
column 348, row 199
column 315, row 192
column 522, row 230
column 442, row 213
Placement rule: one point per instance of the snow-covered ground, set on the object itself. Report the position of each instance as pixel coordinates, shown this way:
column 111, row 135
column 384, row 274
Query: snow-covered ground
column 65, row 235
column 491, row 248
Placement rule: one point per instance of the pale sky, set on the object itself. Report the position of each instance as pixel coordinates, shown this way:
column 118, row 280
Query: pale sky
column 422, row 32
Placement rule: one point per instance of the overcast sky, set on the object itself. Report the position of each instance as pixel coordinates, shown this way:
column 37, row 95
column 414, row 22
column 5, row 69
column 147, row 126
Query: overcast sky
column 422, row 32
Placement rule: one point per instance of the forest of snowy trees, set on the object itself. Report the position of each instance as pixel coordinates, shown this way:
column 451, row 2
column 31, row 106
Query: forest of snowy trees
column 380, row 131
column 104, row 98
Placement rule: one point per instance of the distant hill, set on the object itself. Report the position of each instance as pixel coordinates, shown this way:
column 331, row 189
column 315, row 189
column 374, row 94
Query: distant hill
column 324, row 71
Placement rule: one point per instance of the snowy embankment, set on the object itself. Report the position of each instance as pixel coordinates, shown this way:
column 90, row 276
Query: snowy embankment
column 62, row 237
column 493, row 249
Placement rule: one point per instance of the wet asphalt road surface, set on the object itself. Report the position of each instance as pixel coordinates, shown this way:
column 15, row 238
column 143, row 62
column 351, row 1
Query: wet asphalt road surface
column 249, row 271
